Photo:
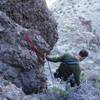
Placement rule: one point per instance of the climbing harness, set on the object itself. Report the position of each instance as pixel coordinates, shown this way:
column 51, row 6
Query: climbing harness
column 70, row 62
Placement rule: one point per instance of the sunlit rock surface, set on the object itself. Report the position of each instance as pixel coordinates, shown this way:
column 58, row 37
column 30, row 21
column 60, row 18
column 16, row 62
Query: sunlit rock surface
column 78, row 26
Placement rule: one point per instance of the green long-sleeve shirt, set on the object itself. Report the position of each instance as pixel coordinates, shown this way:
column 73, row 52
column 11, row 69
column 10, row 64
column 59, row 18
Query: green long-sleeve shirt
column 67, row 69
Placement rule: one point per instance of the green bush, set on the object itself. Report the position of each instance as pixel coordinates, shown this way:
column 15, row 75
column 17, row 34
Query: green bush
column 59, row 91
column 97, row 82
column 82, row 77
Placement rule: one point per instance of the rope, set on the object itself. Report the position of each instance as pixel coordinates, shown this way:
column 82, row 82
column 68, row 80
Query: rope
column 50, row 73
column 37, row 50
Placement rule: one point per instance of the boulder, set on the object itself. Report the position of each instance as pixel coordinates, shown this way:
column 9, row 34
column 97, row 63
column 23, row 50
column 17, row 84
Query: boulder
column 9, row 91
column 32, row 14
column 22, row 46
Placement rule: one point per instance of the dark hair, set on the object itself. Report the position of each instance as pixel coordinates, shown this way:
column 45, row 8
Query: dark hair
column 83, row 53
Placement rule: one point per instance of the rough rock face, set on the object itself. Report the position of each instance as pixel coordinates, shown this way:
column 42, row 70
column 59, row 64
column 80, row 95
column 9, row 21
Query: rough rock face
column 20, row 64
column 9, row 91
column 32, row 14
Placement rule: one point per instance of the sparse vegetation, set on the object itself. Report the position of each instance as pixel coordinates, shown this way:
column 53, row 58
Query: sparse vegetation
column 82, row 77
column 59, row 91
column 97, row 82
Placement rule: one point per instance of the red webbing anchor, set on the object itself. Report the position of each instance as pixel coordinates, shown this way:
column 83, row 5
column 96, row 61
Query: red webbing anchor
column 33, row 47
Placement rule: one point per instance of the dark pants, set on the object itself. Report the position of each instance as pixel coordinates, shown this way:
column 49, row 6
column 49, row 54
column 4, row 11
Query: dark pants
column 69, row 79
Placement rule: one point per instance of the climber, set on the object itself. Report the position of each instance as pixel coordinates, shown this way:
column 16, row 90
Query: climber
column 69, row 69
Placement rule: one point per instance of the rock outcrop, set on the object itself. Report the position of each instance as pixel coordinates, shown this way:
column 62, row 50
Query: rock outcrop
column 9, row 91
column 32, row 14
column 20, row 64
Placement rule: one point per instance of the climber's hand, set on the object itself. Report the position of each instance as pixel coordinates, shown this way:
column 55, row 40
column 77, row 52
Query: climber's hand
column 45, row 56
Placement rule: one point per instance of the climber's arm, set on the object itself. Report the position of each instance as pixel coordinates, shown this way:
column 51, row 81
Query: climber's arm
column 55, row 59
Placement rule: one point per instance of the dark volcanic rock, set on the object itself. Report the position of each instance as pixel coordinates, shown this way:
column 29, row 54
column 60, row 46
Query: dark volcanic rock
column 32, row 14
column 20, row 64
column 11, row 92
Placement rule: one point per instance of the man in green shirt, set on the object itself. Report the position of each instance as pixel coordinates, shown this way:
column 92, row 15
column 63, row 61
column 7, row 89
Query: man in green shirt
column 69, row 67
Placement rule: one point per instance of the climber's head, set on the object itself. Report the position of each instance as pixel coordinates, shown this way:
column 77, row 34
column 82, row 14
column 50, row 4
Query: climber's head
column 83, row 54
